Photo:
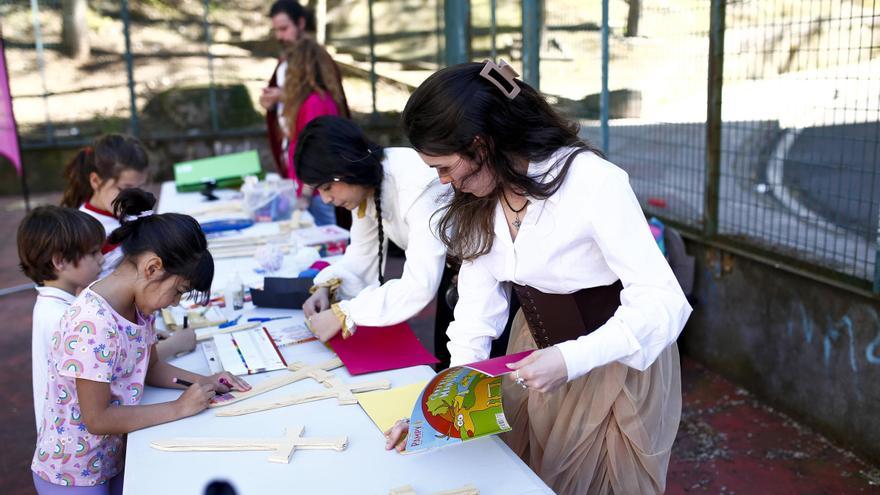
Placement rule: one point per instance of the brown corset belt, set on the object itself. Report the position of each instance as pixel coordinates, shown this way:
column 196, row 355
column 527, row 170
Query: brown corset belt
column 555, row 318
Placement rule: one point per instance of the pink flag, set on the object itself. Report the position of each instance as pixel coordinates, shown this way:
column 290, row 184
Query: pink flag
column 8, row 132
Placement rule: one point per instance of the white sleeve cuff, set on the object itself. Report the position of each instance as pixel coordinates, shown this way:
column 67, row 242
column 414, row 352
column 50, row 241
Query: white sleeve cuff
column 610, row 342
column 345, row 307
column 461, row 355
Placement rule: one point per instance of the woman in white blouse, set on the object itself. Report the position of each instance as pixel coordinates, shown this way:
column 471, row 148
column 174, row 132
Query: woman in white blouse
column 537, row 210
column 393, row 195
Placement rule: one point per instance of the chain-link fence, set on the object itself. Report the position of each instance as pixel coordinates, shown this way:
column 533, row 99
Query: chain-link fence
column 161, row 69
column 773, row 154
column 785, row 168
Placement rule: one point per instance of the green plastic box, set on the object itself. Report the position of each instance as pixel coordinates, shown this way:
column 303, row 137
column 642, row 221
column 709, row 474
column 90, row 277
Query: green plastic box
column 226, row 171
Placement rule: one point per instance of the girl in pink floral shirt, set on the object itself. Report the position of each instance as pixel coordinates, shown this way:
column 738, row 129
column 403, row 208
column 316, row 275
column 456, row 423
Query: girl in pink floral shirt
column 104, row 353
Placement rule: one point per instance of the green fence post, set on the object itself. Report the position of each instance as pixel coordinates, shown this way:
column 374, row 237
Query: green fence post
column 531, row 36
column 603, row 96
column 713, row 118
column 41, row 63
column 457, row 27
column 877, row 262
column 212, row 93
column 372, row 36
column 129, row 66
column 493, row 28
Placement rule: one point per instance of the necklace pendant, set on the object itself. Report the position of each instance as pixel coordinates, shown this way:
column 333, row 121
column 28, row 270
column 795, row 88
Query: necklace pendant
column 517, row 223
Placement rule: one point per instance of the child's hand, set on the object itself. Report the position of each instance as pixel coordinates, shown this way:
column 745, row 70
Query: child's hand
column 226, row 381
column 395, row 437
column 194, row 399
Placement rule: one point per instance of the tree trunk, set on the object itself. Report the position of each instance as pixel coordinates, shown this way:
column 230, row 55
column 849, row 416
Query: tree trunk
column 632, row 18
column 74, row 29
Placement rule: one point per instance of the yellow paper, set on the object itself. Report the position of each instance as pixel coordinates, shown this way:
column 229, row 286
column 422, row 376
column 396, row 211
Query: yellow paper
column 387, row 406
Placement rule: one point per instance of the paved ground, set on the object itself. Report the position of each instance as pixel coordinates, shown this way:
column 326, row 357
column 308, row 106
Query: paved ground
column 835, row 169
column 728, row 442
column 835, row 176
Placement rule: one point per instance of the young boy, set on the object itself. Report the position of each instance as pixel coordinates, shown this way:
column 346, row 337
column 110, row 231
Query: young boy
column 60, row 250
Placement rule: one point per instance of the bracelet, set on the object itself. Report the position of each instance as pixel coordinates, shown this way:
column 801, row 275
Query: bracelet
column 345, row 321
column 332, row 285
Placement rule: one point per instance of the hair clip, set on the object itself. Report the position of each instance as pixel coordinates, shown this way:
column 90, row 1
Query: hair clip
column 502, row 76
column 143, row 214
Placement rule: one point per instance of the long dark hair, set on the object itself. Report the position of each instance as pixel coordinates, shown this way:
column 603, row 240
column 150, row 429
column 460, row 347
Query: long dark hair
column 333, row 149
column 458, row 111
column 310, row 69
column 176, row 239
column 108, row 156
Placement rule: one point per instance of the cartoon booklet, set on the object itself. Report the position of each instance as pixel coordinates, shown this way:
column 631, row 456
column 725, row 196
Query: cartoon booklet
column 460, row 404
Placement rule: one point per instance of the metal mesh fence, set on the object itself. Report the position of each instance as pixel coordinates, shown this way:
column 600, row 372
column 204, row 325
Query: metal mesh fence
column 799, row 130
column 407, row 44
column 800, row 103
column 198, row 67
column 176, row 72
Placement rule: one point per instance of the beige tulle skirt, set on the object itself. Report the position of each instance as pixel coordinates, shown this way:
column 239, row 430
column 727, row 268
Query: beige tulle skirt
column 610, row 431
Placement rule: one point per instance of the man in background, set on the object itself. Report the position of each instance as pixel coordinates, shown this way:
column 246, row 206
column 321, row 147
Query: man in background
column 290, row 21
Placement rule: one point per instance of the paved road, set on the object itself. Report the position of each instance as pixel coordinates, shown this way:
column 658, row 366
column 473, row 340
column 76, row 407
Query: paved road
column 836, row 170
column 667, row 162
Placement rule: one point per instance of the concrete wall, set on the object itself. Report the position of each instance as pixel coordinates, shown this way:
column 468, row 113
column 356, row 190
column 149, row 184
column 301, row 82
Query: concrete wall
column 805, row 347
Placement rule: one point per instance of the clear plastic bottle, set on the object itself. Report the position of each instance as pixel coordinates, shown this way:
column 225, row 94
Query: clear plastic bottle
column 234, row 293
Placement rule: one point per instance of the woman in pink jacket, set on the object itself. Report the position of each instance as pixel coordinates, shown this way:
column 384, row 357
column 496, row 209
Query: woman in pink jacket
column 312, row 88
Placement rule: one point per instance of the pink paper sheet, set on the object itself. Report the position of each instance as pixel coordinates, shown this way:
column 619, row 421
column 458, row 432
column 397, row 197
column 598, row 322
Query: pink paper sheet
column 373, row 349
column 498, row 366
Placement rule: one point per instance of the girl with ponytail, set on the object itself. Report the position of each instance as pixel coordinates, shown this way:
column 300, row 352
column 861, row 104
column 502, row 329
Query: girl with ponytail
column 392, row 195
column 105, row 351
column 96, row 175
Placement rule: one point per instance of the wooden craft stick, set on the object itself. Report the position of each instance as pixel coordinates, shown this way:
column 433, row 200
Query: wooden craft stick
column 224, row 207
column 247, row 241
column 344, row 393
column 242, row 252
column 209, row 334
column 465, row 490
column 282, row 447
column 301, row 371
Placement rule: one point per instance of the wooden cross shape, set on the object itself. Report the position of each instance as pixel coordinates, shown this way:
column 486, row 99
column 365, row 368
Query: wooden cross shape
column 344, row 393
column 408, row 490
column 282, row 447
column 300, row 371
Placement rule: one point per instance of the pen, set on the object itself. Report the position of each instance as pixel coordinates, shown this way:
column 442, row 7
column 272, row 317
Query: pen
column 230, row 323
column 265, row 319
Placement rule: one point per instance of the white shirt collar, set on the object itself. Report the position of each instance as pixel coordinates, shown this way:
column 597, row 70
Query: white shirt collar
column 55, row 293
column 545, row 171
